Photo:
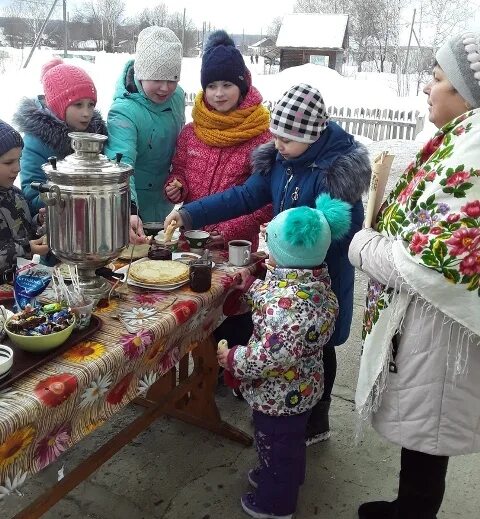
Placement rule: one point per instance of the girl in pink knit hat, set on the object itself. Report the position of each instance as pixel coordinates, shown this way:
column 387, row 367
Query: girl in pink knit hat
column 68, row 104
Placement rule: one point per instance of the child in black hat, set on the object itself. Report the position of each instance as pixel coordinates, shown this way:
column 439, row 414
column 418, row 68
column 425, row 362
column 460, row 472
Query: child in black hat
column 17, row 230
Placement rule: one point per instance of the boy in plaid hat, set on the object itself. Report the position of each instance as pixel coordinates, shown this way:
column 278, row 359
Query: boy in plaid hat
column 280, row 370
column 310, row 155
column 67, row 105
column 17, row 230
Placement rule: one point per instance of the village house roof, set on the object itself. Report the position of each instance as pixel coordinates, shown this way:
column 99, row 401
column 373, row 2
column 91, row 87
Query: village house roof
column 313, row 31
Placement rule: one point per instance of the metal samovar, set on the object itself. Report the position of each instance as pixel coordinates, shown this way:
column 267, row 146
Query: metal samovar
column 88, row 209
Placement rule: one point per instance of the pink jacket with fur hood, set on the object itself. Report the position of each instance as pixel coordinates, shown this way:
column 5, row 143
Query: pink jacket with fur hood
column 203, row 170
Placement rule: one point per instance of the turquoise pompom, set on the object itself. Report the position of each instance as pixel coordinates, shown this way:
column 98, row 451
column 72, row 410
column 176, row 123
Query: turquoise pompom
column 337, row 213
column 302, row 227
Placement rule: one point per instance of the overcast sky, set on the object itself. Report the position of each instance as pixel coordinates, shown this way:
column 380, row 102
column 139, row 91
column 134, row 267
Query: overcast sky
column 253, row 16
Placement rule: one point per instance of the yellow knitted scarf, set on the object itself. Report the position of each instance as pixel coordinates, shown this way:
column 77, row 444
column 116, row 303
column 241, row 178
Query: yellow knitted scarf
column 224, row 130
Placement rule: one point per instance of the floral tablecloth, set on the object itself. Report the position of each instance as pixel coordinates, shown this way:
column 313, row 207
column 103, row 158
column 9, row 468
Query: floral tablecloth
column 48, row 411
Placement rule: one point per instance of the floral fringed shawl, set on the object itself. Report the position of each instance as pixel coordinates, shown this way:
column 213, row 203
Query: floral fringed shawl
column 433, row 217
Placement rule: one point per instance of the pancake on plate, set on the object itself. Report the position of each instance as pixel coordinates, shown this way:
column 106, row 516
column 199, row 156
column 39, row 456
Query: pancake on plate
column 153, row 272
column 140, row 251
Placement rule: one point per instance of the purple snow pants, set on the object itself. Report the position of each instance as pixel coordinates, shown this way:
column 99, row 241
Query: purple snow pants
column 280, row 443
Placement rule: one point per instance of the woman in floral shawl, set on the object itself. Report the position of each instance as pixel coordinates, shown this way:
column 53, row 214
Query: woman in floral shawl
column 418, row 381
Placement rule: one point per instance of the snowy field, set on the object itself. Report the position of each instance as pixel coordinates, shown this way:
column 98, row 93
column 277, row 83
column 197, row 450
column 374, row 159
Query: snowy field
column 369, row 90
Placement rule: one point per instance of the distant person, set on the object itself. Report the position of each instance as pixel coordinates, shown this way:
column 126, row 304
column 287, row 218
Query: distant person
column 18, row 232
column 280, row 369
column 251, row 59
column 256, row 59
column 213, row 152
column 68, row 105
column 419, row 374
column 309, row 156
column 144, row 121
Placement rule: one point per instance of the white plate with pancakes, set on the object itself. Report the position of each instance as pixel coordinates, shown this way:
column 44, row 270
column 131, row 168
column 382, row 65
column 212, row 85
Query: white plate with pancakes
column 156, row 274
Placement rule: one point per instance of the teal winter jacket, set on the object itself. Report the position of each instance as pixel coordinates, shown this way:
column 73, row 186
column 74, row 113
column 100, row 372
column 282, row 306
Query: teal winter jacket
column 145, row 133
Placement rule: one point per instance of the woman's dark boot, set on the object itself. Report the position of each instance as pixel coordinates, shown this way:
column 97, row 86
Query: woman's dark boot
column 378, row 510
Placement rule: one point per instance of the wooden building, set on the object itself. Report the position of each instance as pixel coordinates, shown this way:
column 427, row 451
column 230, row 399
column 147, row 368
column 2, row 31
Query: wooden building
column 313, row 38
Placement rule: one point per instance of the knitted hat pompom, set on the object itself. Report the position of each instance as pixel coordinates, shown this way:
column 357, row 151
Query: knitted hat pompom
column 301, row 227
column 49, row 65
column 218, row 38
column 337, row 213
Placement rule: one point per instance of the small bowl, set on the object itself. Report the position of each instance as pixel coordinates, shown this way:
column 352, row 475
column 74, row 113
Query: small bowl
column 40, row 343
column 6, row 360
column 160, row 237
column 152, row 228
column 197, row 239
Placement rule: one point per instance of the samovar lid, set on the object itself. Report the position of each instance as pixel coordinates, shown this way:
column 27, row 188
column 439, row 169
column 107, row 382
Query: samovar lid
column 87, row 163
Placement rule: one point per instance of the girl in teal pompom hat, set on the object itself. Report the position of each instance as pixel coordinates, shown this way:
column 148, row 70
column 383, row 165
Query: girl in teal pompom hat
column 280, row 370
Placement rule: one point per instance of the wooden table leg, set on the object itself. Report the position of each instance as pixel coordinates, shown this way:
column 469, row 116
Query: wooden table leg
column 198, row 407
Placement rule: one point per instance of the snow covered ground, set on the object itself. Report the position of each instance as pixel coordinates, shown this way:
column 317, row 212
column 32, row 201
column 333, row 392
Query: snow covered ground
column 371, row 90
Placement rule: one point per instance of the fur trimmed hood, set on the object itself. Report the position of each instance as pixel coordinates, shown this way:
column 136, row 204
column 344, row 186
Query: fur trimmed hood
column 32, row 117
column 347, row 177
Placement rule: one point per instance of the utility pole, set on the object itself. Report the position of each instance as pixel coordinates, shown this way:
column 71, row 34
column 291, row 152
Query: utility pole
column 405, row 68
column 65, row 24
column 183, row 30
column 39, row 35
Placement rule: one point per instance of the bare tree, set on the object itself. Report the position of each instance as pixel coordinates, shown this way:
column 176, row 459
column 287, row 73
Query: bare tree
column 33, row 13
column 446, row 17
column 274, row 27
column 106, row 16
column 322, row 6
column 375, row 26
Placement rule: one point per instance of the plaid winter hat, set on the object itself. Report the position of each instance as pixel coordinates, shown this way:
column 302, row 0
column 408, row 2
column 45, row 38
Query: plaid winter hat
column 300, row 115
column 222, row 61
column 459, row 58
column 64, row 85
column 9, row 138
column 159, row 55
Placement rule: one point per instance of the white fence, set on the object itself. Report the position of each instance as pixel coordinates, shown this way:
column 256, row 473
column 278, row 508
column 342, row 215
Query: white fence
column 374, row 123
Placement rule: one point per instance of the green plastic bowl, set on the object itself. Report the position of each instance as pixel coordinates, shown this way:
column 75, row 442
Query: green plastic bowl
column 40, row 343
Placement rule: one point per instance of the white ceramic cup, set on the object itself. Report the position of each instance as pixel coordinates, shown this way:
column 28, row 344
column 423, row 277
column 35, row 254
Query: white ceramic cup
column 239, row 252
column 6, row 360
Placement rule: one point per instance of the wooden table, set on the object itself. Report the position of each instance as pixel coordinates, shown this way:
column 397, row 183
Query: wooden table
column 63, row 401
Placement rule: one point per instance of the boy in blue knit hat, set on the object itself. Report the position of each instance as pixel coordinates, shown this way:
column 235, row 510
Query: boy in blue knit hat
column 17, row 230
column 280, row 369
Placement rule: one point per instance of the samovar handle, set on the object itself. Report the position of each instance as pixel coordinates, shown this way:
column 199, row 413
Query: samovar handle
column 56, row 199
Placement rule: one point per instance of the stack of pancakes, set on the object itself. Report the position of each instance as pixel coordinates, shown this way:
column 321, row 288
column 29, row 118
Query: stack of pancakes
column 152, row 272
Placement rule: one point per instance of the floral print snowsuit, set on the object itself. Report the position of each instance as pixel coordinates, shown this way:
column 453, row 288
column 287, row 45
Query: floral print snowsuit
column 281, row 369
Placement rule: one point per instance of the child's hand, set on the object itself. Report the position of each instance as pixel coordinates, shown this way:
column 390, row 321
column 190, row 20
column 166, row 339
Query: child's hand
column 38, row 247
column 263, row 229
column 137, row 234
column 174, row 215
column 42, row 212
column 174, row 191
column 216, row 240
column 222, row 357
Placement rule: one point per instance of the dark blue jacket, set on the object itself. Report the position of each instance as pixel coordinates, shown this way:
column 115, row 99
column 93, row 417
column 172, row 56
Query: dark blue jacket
column 335, row 164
